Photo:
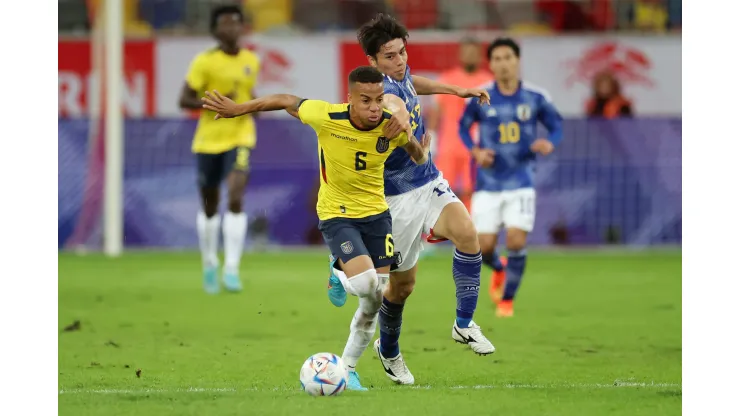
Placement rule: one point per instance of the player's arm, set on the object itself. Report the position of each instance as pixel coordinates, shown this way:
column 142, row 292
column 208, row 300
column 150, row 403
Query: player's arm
column 426, row 86
column 419, row 151
column 195, row 81
column 553, row 121
column 225, row 107
column 400, row 116
column 471, row 115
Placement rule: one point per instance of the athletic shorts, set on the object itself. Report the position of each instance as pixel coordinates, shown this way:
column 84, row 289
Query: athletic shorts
column 510, row 209
column 371, row 236
column 214, row 167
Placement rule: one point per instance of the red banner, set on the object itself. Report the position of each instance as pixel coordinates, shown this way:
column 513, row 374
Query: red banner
column 76, row 78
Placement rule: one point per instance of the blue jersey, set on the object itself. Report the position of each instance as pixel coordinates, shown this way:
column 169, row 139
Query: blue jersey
column 401, row 173
column 509, row 126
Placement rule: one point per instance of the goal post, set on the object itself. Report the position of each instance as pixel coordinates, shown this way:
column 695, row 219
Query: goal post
column 113, row 186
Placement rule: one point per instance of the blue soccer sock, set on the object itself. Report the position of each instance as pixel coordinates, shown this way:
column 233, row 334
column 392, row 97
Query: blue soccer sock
column 390, row 318
column 493, row 261
column 466, row 272
column 514, row 272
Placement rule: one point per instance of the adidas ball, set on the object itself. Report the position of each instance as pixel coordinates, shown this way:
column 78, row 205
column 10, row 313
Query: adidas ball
column 324, row 374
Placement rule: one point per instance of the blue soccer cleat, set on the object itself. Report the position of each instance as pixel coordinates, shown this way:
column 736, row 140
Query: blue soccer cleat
column 232, row 283
column 336, row 292
column 210, row 280
column 354, row 382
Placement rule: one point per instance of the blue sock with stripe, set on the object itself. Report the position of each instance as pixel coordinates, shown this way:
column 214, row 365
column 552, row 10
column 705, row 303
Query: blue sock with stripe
column 514, row 272
column 390, row 318
column 466, row 272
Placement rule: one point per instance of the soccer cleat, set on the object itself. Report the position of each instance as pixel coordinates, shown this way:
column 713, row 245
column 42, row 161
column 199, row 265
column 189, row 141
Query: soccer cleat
column 474, row 338
column 336, row 292
column 232, row 283
column 505, row 309
column 395, row 368
column 354, row 382
column 498, row 280
column 210, row 280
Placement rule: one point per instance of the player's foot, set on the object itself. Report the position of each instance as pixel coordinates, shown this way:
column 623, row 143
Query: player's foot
column 232, row 283
column 395, row 368
column 210, row 280
column 354, row 382
column 473, row 337
column 505, row 309
column 498, row 279
column 336, row 292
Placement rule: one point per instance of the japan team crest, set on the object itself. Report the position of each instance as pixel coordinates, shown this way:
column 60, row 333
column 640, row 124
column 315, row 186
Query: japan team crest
column 347, row 247
column 383, row 144
column 523, row 112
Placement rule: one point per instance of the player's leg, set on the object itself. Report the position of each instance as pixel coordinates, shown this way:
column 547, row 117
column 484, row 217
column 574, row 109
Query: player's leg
column 208, row 223
column 235, row 219
column 486, row 213
column 518, row 216
column 448, row 218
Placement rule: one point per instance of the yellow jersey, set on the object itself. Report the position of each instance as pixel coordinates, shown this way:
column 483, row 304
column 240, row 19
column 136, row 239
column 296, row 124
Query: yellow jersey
column 351, row 161
column 232, row 75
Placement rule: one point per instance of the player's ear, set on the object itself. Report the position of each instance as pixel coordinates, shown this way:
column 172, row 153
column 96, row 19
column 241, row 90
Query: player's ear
column 372, row 61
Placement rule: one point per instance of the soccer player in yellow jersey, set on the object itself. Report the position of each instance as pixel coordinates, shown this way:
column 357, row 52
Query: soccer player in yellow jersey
column 354, row 141
column 222, row 148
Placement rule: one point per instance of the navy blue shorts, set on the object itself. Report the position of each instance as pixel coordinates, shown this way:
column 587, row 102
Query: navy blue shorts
column 371, row 236
column 214, row 167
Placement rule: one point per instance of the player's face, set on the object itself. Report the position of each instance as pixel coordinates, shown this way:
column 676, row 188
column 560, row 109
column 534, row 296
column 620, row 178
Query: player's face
column 367, row 102
column 391, row 59
column 470, row 56
column 504, row 63
column 229, row 28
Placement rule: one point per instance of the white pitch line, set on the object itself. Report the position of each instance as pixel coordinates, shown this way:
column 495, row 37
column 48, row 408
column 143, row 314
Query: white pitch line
column 616, row 384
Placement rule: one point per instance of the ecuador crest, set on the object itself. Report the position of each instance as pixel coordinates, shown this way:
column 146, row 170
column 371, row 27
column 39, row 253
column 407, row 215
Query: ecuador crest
column 383, row 144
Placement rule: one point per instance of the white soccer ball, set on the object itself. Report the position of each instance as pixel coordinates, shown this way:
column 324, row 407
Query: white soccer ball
column 324, row 374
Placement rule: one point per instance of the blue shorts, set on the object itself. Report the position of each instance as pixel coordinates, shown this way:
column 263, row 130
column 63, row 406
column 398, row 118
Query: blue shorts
column 372, row 236
column 214, row 167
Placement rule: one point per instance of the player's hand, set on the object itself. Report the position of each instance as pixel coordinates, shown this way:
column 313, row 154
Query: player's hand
column 483, row 157
column 224, row 107
column 542, row 146
column 398, row 124
column 483, row 97
column 426, row 142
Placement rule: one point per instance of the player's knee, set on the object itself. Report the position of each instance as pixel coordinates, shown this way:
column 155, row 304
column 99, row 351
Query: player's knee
column 466, row 237
column 364, row 285
column 516, row 241
column 400, row 291
column 235, row 205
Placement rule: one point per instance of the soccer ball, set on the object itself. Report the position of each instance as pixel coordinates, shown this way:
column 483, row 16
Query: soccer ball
column 324, row 374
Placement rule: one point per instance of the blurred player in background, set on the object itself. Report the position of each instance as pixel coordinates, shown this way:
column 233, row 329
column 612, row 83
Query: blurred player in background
column 353, row 213
column 420, row 200
column 451, row 156
column 222, row 148
column 505, row 156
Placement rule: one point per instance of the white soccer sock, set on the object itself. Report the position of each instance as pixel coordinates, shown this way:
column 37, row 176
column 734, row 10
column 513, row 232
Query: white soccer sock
column 235, row 230
column 208, row 238
column 362, row 329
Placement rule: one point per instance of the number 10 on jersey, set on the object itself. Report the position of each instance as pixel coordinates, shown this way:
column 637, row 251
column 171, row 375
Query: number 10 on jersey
column 510, row 132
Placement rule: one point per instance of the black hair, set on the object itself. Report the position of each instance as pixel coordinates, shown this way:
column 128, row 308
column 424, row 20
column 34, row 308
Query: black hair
column 469, row 40
column 379, row 31
column 365, row 75
column 222, row 10
column 504, row 42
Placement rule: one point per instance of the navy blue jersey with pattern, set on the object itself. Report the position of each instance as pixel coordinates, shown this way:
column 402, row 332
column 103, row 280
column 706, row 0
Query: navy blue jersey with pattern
column 401, row 173
column 508, row 125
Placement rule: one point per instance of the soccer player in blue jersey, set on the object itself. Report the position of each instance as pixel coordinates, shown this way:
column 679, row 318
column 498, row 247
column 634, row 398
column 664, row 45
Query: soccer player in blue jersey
column 506, row 156
column 420, row 200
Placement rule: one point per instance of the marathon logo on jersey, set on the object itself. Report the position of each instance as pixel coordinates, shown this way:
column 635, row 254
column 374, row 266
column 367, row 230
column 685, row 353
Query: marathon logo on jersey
column 347, row 247
column 383, row 144
column 523, row 112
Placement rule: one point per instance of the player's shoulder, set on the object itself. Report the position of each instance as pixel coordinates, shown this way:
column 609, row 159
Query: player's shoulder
column 249, row 55
column 536, row 90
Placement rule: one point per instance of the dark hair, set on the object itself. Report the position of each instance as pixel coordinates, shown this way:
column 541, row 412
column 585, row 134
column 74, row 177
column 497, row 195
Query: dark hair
column 504, row 42
column 379, row 31
column 469, row 40
column 222, row 10
column 365, row 75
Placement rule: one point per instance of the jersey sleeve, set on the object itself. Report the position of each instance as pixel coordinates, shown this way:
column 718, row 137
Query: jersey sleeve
column 470, row 116
column 551, row 118
column 314, row 113
column 390, row 87
column 197, row 74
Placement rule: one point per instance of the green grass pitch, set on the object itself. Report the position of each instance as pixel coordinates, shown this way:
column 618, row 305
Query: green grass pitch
column 594, row 333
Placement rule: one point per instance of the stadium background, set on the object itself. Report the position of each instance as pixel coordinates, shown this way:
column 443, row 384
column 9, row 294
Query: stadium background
column 612, row 181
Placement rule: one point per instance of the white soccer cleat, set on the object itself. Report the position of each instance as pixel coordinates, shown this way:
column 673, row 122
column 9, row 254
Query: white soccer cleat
column 395, row 368
column 473, row 337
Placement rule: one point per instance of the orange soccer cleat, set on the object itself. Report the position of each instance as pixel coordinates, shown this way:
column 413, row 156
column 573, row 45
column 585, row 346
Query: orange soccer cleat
column 498, row 279
column 505, row 309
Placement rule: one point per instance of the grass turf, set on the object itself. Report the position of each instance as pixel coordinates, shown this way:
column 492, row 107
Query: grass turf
column 593, row 333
